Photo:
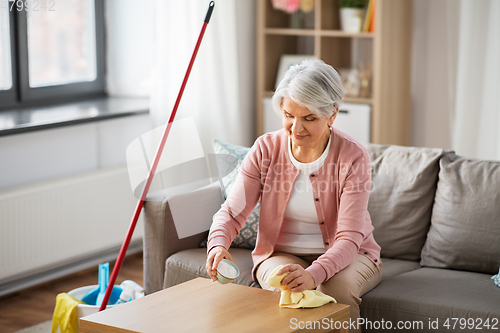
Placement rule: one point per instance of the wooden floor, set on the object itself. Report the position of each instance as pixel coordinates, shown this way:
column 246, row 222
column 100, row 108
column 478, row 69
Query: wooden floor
column 36, row 305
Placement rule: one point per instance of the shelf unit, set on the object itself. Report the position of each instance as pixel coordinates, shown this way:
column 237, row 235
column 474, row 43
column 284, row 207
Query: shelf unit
column 388, row 50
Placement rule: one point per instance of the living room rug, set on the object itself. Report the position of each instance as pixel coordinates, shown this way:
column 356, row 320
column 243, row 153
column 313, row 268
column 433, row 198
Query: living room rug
column 44, row 327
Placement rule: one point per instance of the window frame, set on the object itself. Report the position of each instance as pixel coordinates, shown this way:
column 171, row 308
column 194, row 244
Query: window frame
column 9, row 97
column 21, row 95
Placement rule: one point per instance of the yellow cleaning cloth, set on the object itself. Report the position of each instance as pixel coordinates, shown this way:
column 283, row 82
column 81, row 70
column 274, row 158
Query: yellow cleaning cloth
column 304, row 299
column 65, row 314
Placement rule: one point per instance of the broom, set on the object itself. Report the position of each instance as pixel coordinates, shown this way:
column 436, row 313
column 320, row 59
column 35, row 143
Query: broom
column 140, row 204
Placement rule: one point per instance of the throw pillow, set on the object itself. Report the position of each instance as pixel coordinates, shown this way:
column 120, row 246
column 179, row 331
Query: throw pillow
column 465, row 224
column 248, row 234
column 375, row 150
column 403, row 186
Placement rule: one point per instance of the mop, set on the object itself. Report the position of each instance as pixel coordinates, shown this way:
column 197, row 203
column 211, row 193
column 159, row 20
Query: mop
column 140, row 204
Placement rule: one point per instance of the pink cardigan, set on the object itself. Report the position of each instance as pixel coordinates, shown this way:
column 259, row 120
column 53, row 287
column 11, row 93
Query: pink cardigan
column 341, row 190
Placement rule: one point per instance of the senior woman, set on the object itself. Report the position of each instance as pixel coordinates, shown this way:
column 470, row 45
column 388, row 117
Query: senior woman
column 313, row 182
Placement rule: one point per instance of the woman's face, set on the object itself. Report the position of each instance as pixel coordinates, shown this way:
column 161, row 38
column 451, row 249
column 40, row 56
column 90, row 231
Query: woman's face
column 304, row 127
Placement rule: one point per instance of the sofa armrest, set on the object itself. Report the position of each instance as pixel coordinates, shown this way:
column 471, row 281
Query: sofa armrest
column 160, row 233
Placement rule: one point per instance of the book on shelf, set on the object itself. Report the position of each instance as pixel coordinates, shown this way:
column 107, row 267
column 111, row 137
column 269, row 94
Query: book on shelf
column 369, row 23
column 372, row 21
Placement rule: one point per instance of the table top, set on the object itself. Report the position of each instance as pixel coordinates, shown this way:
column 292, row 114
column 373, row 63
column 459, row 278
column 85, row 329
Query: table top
column 201, row 305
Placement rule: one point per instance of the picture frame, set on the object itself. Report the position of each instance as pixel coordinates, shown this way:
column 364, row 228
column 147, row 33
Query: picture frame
column 288, row 60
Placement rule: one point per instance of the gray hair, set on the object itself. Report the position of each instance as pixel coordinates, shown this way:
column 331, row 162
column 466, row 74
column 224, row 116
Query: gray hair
column 312, row 84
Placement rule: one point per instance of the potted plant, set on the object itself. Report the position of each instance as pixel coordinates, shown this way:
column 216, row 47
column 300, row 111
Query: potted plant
column 351, row 14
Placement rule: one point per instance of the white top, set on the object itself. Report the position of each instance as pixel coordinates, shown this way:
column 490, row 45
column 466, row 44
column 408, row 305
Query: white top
column 300, row 232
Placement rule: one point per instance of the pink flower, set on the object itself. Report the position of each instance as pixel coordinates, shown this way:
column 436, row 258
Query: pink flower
column 289, row 6
column 292, row 6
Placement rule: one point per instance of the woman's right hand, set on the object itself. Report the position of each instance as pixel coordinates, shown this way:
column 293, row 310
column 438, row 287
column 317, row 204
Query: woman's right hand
column 214, row 257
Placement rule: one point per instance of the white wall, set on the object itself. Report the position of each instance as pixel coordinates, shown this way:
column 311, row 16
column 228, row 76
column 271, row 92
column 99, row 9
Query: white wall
column 430, row 104
column 34, row 157
column 246, row 12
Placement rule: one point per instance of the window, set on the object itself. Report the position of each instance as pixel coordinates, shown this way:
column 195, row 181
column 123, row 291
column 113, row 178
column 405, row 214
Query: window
column 50, row 51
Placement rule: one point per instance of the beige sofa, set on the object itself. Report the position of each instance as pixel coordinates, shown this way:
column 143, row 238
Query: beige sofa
column 436, row 217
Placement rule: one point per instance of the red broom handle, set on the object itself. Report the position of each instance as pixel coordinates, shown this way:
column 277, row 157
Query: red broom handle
column 140, row 204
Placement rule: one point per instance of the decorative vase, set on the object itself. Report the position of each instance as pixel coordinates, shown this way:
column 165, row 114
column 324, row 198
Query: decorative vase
column 297, row 20
column 351, row 19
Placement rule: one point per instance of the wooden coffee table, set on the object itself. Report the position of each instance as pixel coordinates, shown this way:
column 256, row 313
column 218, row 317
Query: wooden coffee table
column 201, row 305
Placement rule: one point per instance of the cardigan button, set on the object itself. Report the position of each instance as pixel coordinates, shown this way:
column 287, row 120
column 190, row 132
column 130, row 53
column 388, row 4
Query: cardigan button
column 375, row 260
column 327, row 243
column 322, row 222
column 317, row 199
column 312, row 174
column 365, row 253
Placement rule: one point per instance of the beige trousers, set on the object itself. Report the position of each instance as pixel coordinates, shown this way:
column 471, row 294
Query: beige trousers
column 347, row 286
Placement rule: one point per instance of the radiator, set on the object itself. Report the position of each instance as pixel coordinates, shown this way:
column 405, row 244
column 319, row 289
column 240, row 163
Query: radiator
column 56, row 227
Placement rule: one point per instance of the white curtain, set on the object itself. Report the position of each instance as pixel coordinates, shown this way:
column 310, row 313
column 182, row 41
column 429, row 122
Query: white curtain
column 474, row 54
column 220, row 91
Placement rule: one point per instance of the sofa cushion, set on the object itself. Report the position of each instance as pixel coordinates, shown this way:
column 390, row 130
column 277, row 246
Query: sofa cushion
column 465, row 224
column 190, row 264
column 393, row 267
column 404, row 182
column 428, row 294
column 248, row 234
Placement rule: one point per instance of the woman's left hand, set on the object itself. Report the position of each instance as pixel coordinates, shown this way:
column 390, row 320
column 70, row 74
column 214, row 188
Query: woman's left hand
column 298, row 278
